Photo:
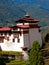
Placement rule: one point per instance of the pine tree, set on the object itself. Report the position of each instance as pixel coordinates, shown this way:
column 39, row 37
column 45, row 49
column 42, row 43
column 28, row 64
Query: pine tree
column 36, row 57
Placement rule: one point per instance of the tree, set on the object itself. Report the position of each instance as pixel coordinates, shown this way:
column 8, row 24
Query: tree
column 36, row 57
column 3, row 60
column 47, row 37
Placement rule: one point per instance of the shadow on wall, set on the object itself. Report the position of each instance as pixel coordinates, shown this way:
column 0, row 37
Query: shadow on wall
column 0, row 48
column 47, row 37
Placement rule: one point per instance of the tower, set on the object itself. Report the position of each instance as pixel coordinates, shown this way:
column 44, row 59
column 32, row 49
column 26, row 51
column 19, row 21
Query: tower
column 30, row 29
column 20, row 36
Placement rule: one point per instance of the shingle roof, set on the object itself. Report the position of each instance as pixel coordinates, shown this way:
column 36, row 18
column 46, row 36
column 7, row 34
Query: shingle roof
column 28, row 19
column 23, row 26
column 5, row 29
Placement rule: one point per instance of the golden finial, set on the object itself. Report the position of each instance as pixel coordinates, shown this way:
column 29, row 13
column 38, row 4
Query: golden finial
column 27, row 15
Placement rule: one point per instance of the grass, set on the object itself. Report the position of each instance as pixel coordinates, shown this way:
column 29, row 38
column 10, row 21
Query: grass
column 10, row 53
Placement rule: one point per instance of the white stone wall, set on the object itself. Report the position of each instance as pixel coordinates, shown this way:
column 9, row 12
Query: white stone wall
column 12, row 46
column 19, row 24
column 25, row 40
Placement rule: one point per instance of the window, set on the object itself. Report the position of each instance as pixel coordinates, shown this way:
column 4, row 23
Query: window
column 6, row 38
column 20, row 34
column 5, row 33
column 1, row 39
column 16, row 35
column 1, row 33
column 13, row 40
column 9, row 34
column 18, row 40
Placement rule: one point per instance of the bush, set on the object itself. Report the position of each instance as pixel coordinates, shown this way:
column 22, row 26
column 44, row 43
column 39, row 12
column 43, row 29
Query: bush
column 4, row 60
column 36, row 57
column 18, row 62
column 7, row 56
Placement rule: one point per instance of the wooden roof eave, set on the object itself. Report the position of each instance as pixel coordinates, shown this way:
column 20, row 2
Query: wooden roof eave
column 25, row 20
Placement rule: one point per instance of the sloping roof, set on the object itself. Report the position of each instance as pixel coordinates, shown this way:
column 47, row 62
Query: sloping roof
column 23, row 26
column 30, row 20
column 5, row 29
column 27, row 19
column 28, row 26
column 24, row 47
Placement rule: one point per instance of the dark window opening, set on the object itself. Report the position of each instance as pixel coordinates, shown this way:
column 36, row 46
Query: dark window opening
column 1, row 40
column 0, row 48
column 16, row 35
column 8, row 38
column 5, row 33
column 20, row 34
column 13, row 40
column 1, row 33
column 9, row 34
column 47, row 38
column 18, row 40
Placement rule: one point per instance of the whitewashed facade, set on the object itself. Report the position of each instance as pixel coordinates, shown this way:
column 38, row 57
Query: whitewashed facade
column 20, row 36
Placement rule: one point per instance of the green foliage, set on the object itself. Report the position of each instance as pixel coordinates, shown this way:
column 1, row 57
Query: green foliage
column 43, row 42
column 16, row 62
column 36, row 57
column 4, row 56
column 28, row 63
column 11, row 12
column 47, row 37
column 10, row 53
column 3, row 60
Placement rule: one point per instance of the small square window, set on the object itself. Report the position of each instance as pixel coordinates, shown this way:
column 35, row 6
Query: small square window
column 1, row 40
column 9, row 34
column 18, row 40
column 20, row 34
column 5, row 33
column 1, row 33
